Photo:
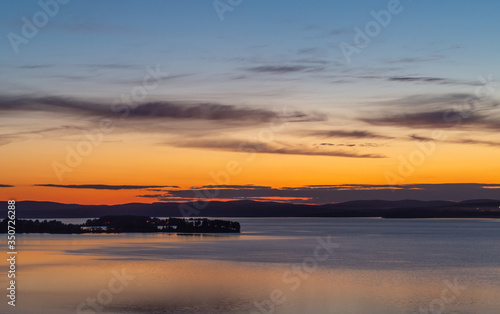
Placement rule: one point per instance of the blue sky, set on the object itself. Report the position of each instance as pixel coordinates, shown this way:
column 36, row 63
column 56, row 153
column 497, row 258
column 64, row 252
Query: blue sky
column 442, row 39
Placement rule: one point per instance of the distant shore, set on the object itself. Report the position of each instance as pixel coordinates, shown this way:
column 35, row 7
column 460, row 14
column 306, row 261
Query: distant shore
column 249, row 209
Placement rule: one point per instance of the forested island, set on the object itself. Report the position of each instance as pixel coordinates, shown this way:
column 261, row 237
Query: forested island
column 126, row 223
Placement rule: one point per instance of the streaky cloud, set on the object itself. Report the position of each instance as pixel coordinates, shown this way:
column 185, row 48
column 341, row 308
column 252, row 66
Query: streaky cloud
column 350, row 134
column 283, row 69
column 151, row 110
column 105, row 186
column 466, row 141
column 428, row 119
column 265, row 148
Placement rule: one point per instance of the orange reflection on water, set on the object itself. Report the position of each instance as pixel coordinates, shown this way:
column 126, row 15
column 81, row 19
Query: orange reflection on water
column 52, row 278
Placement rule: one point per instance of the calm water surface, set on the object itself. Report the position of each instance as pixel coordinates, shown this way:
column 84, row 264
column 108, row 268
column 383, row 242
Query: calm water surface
column 275, row 265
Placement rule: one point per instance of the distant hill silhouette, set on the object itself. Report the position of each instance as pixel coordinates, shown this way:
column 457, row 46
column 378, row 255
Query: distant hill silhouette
column 125, row 223
column 374, row 208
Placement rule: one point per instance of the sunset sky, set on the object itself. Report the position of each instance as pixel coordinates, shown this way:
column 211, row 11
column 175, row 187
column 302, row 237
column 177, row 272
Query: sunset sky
column 108, row 102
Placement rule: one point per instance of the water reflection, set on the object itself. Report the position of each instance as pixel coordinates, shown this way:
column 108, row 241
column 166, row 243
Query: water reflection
column 373, row 270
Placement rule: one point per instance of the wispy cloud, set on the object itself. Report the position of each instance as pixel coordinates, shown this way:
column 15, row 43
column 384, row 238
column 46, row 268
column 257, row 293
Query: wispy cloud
column 271, row 148
column 6, row 186
column 435, row 119
column 241, row 187
column 457, row 141
column 359, row 134
column 428, row 119
column 105, row 186
column 150, row 110
column 283, row 69
column 437, row 111
column 430, row 79
column 340, row 31
column 34, row 66
column 431, row 100
column 351, row 144
column 7, row 138
column 477, row 142
column 109, row 66
column 420, row 138
column 413, row 60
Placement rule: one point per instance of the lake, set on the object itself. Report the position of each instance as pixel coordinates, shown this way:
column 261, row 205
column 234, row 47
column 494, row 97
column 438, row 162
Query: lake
column 276, row 265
